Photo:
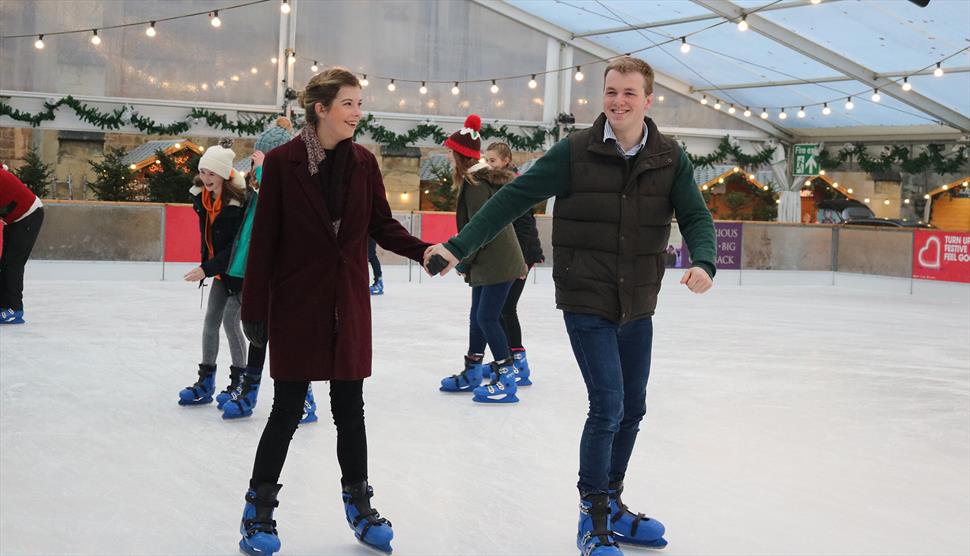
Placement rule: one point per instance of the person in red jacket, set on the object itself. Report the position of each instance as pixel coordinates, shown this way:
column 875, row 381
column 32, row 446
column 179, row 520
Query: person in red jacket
column 306, row 291
column 22, row 214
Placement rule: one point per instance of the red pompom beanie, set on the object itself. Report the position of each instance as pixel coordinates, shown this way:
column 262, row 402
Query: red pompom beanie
column 467, row 140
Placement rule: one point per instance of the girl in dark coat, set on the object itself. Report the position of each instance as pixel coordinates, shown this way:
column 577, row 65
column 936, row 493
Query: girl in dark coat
column 490, row 272
column 217, row 198
column 499, row 157
column 306, row 290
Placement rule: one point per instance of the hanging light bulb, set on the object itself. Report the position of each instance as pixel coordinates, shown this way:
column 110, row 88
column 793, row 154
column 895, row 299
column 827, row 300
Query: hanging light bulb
column 875, row 95
column 214, row 19
column 364, row 82
column 704, row 99
column 825, row 109
column 743, row 24
column 95, row 39
column 314, row 68
column 273, row 60
column 660, row 98
column 151, row 29
column 764, row 113
column 579, row 74
column 455, row 90
column 253, row 70
column 39, row 43
column 816, row 2
column 731, row 110
column 782, row 115
column 684, row 47
column 494, row 87
column 285, row 7
column 938, row 72
column 717, row 104
column 906, row 85
column 291, row 58
column 848, row 104
column 532, row 82
column 391, row 86
column 747, row 112
column 423, row 89
column 801, row 112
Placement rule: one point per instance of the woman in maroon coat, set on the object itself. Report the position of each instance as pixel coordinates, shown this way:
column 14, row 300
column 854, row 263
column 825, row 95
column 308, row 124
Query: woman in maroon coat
column 306, row 290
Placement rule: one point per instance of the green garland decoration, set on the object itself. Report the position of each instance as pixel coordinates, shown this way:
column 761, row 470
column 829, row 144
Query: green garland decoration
column 932, row 157
column 120, row 117
column 726, row 151
column 534, row 141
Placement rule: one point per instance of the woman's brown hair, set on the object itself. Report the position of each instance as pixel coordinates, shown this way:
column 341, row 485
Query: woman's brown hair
column 323, row 88
column 462, row 165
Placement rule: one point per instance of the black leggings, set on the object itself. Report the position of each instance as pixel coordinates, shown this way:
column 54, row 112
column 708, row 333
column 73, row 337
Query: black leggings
column 18, row 242
column 347, row 406
column 375, row 263
column 510, row 317
column 256, row 359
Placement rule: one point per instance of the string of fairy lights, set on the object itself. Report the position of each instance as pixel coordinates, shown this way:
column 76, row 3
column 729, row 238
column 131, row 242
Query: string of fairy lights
column 153, row 28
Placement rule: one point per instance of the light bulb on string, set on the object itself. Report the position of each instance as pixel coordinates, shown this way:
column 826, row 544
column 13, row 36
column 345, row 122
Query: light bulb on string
column 39, row 43
column 684, row 47
column 423, row 89
column 579, row 74
column 825, row 109
column 285, row 7
column 214, row 19
column 743, row 24
column 717, row 104
column 747, row 112
column 364, row 82
column 532, row 82
column 801, row 112
column 95, row 39
column 291, row 59
column 732, row 110
column 816, row 2
column 391, row 86
column 273, row 60
column 875, row 95
column 314, row 68
column 660, row 98
column 906, row 84
column 494, row 87
column 849, row 105
column 938, row 72
column 764, row 113
column 151, row 29
column 782, row 115
column 455, row 90
column 704, row 99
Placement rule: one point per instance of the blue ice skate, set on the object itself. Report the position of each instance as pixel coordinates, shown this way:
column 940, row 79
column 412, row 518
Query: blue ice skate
column 377, row 288
column 243, row 399
column 10, row 316
column 309, row 408
column 201, row 392
column 258, row 528
column 594, row 537
column 465, row 381
column 234, row 375
column 630, row 528
column 369, row 527
column 501, row 389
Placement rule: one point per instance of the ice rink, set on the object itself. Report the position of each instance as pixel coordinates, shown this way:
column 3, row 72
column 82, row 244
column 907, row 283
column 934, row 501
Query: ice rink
column 782, row 419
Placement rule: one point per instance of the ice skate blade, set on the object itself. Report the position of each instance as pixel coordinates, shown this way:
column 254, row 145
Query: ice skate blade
column 655, row 544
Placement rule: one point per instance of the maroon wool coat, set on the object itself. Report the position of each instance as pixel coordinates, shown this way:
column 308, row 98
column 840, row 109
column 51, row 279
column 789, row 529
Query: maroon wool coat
column 308, row 284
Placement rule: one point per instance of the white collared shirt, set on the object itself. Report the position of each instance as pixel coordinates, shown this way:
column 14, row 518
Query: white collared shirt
column 608, row 134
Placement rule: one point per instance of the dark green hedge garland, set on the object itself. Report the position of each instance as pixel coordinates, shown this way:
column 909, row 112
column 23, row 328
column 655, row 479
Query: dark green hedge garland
column 726, row 151
column 932, row 157
column 534, row 141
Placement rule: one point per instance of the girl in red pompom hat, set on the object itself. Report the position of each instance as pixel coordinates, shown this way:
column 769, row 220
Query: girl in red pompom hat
column 490, row 272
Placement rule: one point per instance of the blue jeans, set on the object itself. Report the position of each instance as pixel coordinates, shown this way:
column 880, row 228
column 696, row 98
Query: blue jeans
column 485, row 320
column 615, row 362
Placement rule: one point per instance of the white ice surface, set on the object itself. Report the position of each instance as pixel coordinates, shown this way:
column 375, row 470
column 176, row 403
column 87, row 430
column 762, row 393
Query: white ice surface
column 800, row 420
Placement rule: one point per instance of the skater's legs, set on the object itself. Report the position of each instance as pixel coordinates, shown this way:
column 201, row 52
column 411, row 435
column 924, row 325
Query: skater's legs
column 510, row 316
column 347, row 406
column 487, row 316
column 213, row 318
column 594, row 342
column 232, row 324
column 284, row 418
column 635, row 342
column 18, row 242
column 375, row 263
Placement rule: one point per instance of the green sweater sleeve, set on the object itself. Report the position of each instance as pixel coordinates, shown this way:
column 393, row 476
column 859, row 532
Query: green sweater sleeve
column 694, row 220
column 548, row 177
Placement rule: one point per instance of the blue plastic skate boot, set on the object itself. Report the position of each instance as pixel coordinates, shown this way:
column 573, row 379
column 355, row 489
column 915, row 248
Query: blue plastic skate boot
column 234, row 375
column 630, row 528
column 465, row 381
column 377, row 288
column 243, row 399
column 309, row 408
column 369, row 527
column 594, row 537
column 10, row 316
column 521, row 365
column 201, row 392
column 258, row 528
column 501, row 389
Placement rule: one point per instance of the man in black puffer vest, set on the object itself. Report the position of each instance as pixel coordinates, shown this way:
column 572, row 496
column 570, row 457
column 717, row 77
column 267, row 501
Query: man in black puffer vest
column 617, row 186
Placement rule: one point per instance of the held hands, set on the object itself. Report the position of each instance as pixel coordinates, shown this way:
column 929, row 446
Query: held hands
column 697, row 280
column 257, row 158
column 443, row 253
column 194, row 275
